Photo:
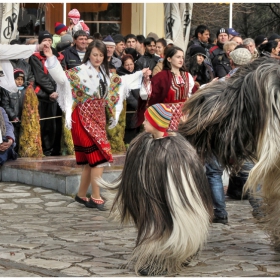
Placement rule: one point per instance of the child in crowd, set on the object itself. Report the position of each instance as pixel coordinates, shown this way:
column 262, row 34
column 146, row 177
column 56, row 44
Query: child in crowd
column 163, row 190
column 12, row 102
column 60, row 30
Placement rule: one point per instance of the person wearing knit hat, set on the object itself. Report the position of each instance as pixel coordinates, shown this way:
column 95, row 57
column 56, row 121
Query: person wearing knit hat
column 157, row 120
column 163, row 190
column 114, row 62
column 217, row 51
column 45, row 35
column 108, row 41
column 74, row 16
column 19, row 77
column 260, row 39
column 197, row 50
column 60, row 29
column 76, row 23
column 201, row 71
column 240, row 56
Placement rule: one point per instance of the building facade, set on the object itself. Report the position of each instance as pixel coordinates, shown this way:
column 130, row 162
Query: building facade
column 105, row 18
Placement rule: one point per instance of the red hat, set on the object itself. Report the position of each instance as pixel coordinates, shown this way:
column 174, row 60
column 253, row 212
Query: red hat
column 59, row 27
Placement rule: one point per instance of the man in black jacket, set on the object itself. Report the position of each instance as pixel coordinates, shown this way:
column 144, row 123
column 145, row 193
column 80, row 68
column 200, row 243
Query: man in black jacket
column 74, row 55
column 217, row 53
column 45, row 88
column 149, row 59
column 201, row 39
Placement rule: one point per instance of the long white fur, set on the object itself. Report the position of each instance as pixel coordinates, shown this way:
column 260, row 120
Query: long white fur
column 267, row 170
column 190, row 231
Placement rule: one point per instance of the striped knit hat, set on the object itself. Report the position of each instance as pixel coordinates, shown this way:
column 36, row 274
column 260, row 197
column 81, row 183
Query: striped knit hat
column 59, row 27
column 74, row 14
column 159, row 116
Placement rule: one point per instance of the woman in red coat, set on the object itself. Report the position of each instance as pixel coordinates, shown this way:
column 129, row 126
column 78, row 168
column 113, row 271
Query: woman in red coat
column 172, row 85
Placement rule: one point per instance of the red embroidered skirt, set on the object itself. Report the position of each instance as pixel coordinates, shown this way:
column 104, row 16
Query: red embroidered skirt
column 89, row 134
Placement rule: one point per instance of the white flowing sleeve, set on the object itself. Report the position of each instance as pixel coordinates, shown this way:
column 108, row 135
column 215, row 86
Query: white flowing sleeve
column 129, row 82
column 63, row 89
column 145, row 90
column 8, row 52
column 191, row 84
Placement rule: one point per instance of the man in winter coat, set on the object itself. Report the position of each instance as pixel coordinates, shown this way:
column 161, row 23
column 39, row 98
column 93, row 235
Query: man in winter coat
column 45, row 88
column 149, row 59
column 74, row 55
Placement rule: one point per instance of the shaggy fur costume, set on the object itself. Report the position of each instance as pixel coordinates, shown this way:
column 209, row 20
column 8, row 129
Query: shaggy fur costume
column 163, row 190
column 239, row 120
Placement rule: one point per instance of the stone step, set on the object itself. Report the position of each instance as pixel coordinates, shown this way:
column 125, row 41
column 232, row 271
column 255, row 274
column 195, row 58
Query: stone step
column 60, row 173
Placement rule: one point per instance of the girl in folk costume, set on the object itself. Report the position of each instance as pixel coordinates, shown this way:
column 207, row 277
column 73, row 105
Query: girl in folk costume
column 173, row 86
column 239, row 120
column 163, row 190
column 84, row 92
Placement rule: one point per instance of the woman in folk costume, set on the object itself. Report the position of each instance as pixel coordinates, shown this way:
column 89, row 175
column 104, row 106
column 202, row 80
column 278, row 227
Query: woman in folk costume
column 173, row 86
column 84, row 92
column 163, row 190
column 239, row 120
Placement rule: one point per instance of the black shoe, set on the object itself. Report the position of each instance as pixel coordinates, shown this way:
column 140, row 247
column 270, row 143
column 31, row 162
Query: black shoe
column 78, row 199
column 221, row 220
column 92, row 204
column 146, row 272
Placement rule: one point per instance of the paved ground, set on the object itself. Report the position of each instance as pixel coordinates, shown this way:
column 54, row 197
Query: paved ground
column 45, row 233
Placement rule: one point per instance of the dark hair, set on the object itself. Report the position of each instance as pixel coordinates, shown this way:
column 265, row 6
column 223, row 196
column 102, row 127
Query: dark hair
column 102, row 48
column 200, row 29
column 166, row 50
column 267, row 47
column 97, row 35
column 162, row 41
column 148, row 41
column 80, row 33
column 170, row 53
column 130, row 36
column 140, row 38
column 91, row 37
column 132, row 52
column 126, row 57
column 15, row 42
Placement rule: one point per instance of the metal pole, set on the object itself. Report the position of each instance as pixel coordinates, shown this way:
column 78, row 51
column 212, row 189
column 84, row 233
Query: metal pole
column 144, row 19
column 230, row 14
column 64, row 13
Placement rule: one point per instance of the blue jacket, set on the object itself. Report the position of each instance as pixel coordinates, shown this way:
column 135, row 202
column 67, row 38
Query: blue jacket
column 9, row 127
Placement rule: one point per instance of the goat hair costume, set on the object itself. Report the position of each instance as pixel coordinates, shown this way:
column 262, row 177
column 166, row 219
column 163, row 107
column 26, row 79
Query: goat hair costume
column 239, row 120
column 163, row 190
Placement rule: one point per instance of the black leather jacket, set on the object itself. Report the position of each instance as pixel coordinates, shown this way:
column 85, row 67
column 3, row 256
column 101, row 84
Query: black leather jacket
column 25, row 66
column 147, row 60
column 12, row 103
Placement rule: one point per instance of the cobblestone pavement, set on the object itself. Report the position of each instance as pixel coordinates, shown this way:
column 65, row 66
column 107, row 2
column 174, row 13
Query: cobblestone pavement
column 45, row 233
